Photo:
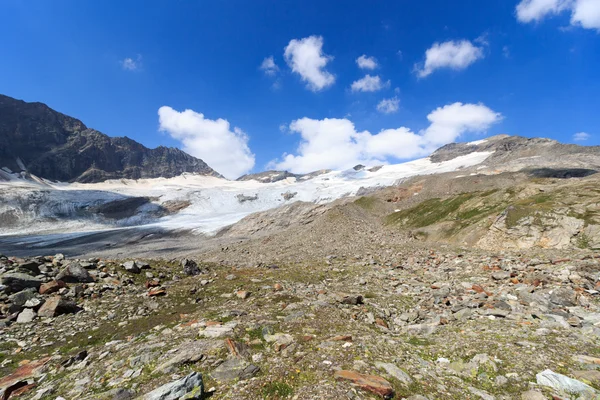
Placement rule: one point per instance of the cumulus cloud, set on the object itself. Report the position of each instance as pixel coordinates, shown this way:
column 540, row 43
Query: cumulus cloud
column 584, row 13
column 581, row 136
column 306, row 58
column 269, row 67
column 456, row 55
column 365, row 62
column 535, row 10
column 388, row 106
column 132, row 64
column 333, row 143
column 447, row 123
column 222, row 147
column 369, row 84
column 587, row 14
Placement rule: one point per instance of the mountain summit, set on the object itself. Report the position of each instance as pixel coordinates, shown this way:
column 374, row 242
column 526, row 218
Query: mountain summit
column 36, row 139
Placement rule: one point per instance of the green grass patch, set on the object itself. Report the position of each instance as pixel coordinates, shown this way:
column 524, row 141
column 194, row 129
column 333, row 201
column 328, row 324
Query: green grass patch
column 415, row 341
column 277, row 390
column 428, row 212
column 514, row 214
column 366, row 202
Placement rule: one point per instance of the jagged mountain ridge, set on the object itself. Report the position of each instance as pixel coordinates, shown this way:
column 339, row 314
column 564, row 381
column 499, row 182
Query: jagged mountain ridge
column 43, row 142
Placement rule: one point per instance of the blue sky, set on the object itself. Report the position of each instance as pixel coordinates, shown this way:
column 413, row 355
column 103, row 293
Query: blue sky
column 532, row 71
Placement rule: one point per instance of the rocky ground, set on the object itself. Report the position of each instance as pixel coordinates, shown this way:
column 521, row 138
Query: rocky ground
column 442, row 287
column 411, row 322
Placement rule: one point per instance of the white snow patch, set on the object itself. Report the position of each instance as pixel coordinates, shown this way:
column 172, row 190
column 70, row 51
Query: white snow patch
column 476, row 142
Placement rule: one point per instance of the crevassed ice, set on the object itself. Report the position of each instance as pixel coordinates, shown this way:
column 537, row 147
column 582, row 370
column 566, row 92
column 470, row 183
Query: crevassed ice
column 214, row 202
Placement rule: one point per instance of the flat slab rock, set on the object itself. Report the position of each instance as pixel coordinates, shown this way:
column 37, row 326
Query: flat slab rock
column 189, row 387
column 234, row 368
column 566, row 385
column 369, row 383
column 395, row 372
column 218, row 331
column 17, row 281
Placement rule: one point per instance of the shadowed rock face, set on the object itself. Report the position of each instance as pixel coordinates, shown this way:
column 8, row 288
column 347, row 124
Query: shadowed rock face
column 46, row 143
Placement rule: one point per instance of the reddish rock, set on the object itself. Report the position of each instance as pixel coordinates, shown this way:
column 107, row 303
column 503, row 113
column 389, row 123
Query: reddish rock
column 342, row 338
column 236, row 349
column 280, row 346
column 242, row 294
column 155, row 292
column 22, row 389
column 55, row 306
column 52, row 287
column 152, row 283
column 278, row 287
column 381, row 323
column 17, row 381
column 478, row 289
column 370, row 383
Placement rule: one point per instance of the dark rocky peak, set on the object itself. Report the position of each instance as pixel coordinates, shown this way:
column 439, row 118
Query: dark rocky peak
column 43, row 142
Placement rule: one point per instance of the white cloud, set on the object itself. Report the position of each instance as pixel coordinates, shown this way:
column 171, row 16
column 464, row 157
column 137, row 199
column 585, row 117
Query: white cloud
column 483, row 39
column 581, row 136
column 587, row 14
column 451, row 121
column 584, row 13
column 334, row 143
column 269, row 67
column 214, row 141
column 365, row 62
column 306, row 58
column 369, row 84
column 535, row 10
column 132, row 64
column 452, row 54
column 388, row 106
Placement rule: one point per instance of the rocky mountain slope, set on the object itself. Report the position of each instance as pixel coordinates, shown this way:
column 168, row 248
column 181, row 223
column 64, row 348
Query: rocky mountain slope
column 473, row 274
column 36, row 139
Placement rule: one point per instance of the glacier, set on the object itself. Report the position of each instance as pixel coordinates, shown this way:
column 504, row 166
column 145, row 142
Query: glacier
column 34, row 206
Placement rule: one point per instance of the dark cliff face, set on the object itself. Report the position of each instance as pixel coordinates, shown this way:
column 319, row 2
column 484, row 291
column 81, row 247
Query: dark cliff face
column 55, row 146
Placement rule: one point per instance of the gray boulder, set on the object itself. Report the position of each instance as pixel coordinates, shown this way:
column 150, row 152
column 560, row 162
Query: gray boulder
column 26, row 316
column 564, row 297
column 565, row 385
column 131, row 266
column 30, row 267
column 17, row 281
column 190, row 267
column 188, row 387
column 74, row 273
column 55, row 306
column 234, row 368
column 20, row 298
